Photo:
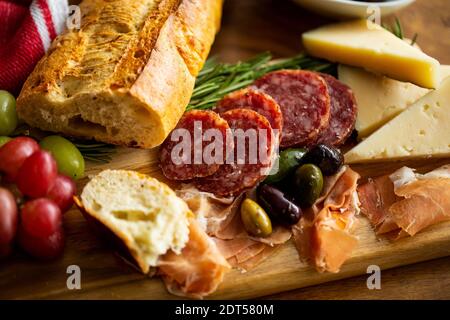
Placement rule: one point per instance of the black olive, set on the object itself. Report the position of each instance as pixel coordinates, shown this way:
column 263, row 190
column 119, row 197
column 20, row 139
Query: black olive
column 327, row 158
column 277, row 205
column 354, row 135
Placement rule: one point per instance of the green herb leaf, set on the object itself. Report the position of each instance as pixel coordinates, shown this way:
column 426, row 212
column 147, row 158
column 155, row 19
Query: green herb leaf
column 398, row 31
column 218, row 79
column 95, row 151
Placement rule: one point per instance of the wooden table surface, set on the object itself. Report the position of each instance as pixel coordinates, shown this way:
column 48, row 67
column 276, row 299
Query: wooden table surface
column 252, row 26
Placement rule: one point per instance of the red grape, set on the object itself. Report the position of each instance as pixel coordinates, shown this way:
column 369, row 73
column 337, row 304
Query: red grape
column 37, row 174
column 41, row 217
column 14, row 153
column 42, row 248
column 62, row 192
column 8, row 216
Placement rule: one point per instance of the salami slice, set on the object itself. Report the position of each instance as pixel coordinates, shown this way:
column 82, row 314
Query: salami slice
column 256, row 101
column 304, row 101
column 242, row 170
column 178, row 163
column 343, row 113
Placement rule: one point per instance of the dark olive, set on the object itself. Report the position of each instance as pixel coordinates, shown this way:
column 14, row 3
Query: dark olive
column 288, row 160
column 308, row 181
column 277, row 205
column 327, row 158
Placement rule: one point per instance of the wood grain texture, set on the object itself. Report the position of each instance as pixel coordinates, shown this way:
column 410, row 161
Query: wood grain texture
column 249, row 27
column 426, row 280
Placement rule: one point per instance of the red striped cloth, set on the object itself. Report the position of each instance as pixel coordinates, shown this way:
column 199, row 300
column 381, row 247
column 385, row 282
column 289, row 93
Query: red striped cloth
column 26, row 31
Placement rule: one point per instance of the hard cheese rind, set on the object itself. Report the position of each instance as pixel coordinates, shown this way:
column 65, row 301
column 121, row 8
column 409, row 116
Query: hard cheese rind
column 364, row 44
column 422, row 130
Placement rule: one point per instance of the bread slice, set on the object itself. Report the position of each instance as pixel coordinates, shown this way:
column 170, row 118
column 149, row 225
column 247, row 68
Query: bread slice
column 126, row 76
column 139, row 213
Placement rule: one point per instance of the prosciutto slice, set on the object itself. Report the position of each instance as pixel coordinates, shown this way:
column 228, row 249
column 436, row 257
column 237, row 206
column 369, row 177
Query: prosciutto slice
column 376, row 196
column 324, row 234
column 221, row 220
column 198, row 270
column 405, row 202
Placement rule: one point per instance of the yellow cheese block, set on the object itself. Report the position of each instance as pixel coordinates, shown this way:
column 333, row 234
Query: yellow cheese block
column 379, row 98
column 365, row 44
column 422, row 130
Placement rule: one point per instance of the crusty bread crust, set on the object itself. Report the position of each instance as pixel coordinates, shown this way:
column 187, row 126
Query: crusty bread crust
column 127, row 75
column 116, row 234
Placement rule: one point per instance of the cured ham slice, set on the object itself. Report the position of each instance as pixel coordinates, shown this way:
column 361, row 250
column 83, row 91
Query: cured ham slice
column 255, row 260
column 376, row 196
column 198, row 270
column 221, row 219
column 221, row 216
column 212, row 212
column 244, row 253
column 405, row 202
column 426, row 202
column 324, row 234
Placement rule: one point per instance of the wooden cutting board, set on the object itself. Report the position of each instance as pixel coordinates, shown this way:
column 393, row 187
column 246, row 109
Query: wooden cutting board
column 249, row 27
column 105, row 276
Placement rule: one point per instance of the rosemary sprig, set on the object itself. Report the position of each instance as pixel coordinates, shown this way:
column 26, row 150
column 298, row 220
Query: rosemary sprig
column 95, row 151
column 218, row 79
column 397, row 30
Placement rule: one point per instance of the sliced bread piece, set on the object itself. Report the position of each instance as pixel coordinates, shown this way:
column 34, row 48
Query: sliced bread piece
column 141, row 214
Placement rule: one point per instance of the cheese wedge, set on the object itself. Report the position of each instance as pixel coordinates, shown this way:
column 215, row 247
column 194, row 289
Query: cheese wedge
column 422, row 130
column 365, row 44
column 379, row 98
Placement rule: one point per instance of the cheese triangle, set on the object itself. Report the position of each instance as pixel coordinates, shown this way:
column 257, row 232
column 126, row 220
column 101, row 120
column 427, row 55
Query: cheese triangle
column 422, row 130
column 365, row 44
column 380, row 98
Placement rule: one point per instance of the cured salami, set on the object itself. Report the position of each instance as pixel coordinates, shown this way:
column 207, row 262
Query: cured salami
column 304, row 101
column 178, row 163
column 342, row 115
column 254, row 100
column 251, row 161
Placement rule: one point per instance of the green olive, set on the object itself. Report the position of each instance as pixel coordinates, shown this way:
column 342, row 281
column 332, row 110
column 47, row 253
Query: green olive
column 4, row 139
column 288, row 160
column 309, row 182
column 68, row 157
column 255, row 219
column 8, row 115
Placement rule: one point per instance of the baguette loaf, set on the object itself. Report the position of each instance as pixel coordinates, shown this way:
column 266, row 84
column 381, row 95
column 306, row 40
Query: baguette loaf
column 127, row 75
